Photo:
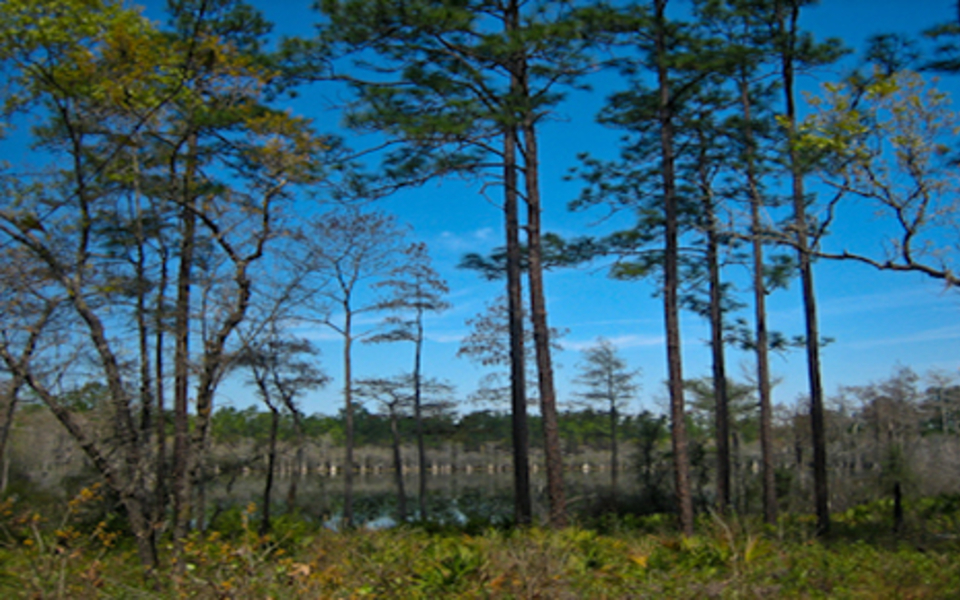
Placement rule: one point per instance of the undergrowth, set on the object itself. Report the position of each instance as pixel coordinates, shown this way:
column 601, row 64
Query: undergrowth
column 730, row 557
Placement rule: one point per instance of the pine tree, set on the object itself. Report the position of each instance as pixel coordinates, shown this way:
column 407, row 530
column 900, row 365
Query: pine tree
column 607, row 381
column 416, row 287
column 468, row 84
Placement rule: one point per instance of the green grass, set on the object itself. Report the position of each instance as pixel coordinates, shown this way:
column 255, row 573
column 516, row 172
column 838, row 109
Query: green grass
column 729, row 558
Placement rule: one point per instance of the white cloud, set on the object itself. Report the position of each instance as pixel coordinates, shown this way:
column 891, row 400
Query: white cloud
column 445, row 338
column 613, row 322
column 483, row 237
column 620, row 341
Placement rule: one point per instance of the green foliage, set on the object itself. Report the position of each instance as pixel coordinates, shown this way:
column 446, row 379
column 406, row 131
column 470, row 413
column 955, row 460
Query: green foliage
column 741, row 397
column 727, row 559
column 441, row 80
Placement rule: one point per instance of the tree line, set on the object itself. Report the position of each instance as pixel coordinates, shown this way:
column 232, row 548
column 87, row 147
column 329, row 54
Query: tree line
column 887, row 439
column 181, row 225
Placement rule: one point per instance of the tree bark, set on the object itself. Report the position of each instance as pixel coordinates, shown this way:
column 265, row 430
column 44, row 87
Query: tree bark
column 761, row 340
column 821, row 491
column 670, row 276
column 348, row 417
column 708, row 222
column 398, row 465
column 161, row 418
column 523, row 507
column 614, row 451
column 720, row 390
column 418, row 414
column 181, row 359
column 12, row 394
column 518, row 396
column 541, row 333
column 271, row 467
column 298, row 460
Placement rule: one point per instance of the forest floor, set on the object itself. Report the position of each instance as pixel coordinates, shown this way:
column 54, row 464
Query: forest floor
column 613, row 558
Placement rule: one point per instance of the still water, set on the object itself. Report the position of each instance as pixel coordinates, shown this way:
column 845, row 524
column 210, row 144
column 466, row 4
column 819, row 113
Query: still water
column 456, row 498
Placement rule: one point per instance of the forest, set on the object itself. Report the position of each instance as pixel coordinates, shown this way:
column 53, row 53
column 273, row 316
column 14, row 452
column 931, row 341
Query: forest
column 173, row 230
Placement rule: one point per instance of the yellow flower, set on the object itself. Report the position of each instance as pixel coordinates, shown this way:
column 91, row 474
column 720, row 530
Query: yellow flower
column 640, row 560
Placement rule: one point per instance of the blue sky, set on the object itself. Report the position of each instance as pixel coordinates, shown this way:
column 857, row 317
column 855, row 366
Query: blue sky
column 878, row 320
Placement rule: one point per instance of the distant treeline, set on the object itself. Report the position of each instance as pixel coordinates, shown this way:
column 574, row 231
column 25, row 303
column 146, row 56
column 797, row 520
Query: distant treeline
column 580, row 429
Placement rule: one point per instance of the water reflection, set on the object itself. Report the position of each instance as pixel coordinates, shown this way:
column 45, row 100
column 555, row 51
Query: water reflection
column 453, row 499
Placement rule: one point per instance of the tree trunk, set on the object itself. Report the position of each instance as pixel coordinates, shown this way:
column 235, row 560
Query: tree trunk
column 161, row 418
column 348, row 419
column 897, row 508
column 143, row 334
column 523, row 507
column 770, row 508
column 614, row 451
column 720, row 391
column 181, row 359
column 12, row 394
column 418, row 415
column 681, row 466
column 123, row 482
column 820, row 485
column 541, row 334
column 212, row 367
column 271, row 467
column 16, row 382
column 298, row 460
column 153, row 508
column 398, row 466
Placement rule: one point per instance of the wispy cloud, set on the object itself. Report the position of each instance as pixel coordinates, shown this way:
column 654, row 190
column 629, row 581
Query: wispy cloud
column 483, row 238
column 446, row 338
column 321, row 334
column 886, row 300
column 950, row 332
column 620, row 341
column 612, row 322
column 858, row 304
column 894, row 299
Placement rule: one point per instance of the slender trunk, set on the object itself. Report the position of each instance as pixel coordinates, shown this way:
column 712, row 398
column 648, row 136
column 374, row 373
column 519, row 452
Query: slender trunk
column 12, row 394
column 298, row 460
column 152, row 508
column 119, row 479
column 418, row 415
column 614, row 450
column 143, row 333
column 671, row 311
column 16, row 382
column 161, row 419
column 720, row 391
column 348, row 418
column 215, row 362
column 398, row 465
column 181, row 361
column 820, row 485
column 271, row 467
column 897, row 507
column 762, row 343
column 541, row 334
column 523, row 506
